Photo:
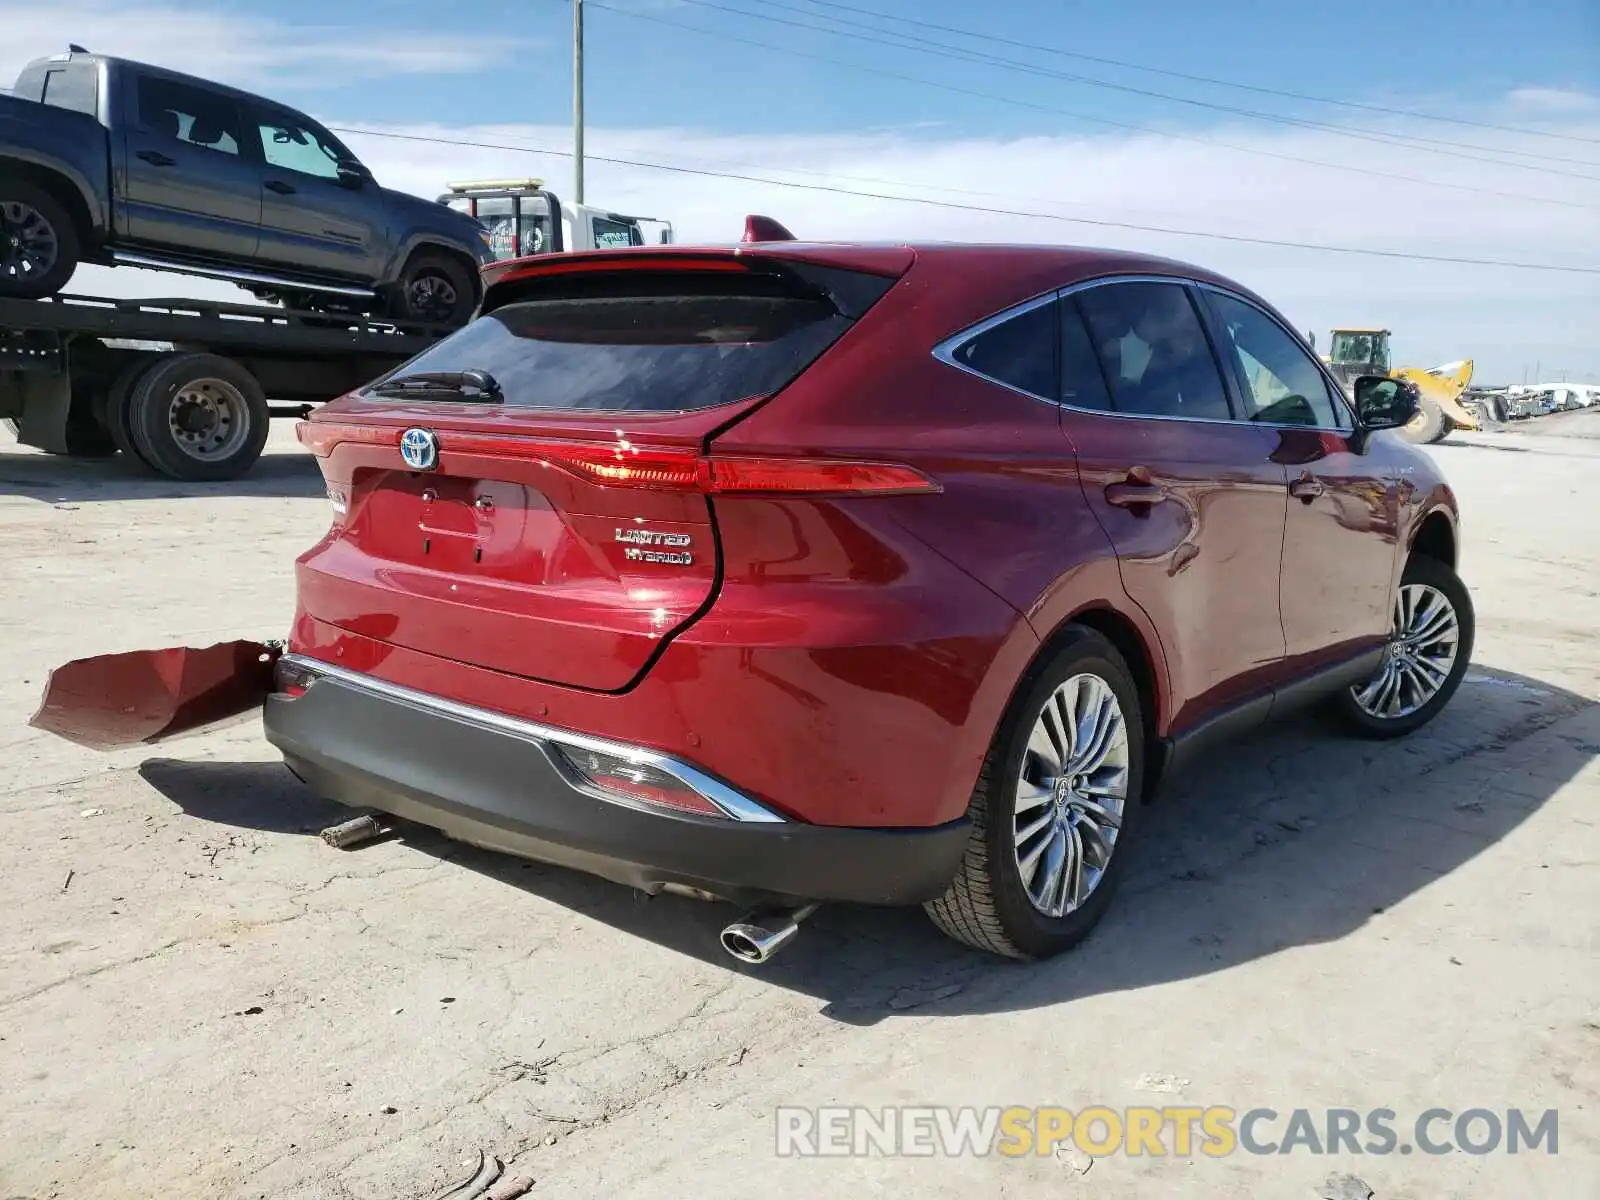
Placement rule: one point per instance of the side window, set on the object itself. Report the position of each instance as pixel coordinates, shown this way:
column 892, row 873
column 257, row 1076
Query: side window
column 1083, row 384
column 189, row 114
column 1019, row 352
column 608, row 233
column 73, row 87
column 1280, row 383
column 1154, row 351
column 294, row 145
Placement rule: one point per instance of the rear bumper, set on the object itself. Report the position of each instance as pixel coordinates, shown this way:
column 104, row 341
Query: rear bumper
column 490, row 780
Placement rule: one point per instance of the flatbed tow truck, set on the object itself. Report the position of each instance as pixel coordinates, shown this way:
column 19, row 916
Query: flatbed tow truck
column 181, row 386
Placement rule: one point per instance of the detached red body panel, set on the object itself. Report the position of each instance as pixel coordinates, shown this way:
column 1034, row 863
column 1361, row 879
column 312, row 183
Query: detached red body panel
column 147, row 696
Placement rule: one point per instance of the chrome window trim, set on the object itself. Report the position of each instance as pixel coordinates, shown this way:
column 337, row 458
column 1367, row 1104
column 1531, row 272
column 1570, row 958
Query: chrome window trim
column 730, row 803
column 945, row 350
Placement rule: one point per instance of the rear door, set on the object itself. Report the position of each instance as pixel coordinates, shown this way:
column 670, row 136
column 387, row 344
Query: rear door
column 565, row 531
column 311, row 220
column 1192, row 499
column 190, row 186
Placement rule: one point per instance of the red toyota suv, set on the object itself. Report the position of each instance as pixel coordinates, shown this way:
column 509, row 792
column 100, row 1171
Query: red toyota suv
column 791, row 573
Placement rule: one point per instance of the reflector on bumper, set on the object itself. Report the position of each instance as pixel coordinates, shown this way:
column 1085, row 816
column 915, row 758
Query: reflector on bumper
column 147, row 696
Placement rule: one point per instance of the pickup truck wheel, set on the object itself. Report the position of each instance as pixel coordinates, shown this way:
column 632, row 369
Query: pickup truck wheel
column 435, row 288
column 198, row 417
column 38, row 242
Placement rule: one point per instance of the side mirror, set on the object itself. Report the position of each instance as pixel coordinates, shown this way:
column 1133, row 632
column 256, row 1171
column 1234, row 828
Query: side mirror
column 353, row 175
column 1385, row 403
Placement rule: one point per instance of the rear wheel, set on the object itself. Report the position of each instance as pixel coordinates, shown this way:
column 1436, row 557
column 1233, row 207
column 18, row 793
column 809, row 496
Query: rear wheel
column 198, row 417
column 435, row 288
column 118, row 415
column 1429, row 650
column 1053, row 808
column 39, row 245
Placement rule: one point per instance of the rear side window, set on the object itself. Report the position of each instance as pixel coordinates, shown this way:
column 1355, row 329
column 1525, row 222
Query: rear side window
column 189, row 114
column 674, row 350
column 1154, row 351
column 73, row 87
column 1019, row 352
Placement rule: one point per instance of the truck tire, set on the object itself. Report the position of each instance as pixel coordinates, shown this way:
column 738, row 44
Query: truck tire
column 39, row 243
column 117, row 418
column 437, row 288
column 1427, row 427
column 198, row 417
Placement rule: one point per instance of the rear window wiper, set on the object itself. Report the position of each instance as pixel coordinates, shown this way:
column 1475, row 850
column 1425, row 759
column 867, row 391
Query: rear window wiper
column 468, row 385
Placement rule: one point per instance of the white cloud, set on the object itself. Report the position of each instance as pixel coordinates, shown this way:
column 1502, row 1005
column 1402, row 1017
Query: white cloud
column 1556, row 100
column 1501, row 317
column 246, row 51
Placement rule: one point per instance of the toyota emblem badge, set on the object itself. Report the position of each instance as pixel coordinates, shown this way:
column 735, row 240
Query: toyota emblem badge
column 419, row 448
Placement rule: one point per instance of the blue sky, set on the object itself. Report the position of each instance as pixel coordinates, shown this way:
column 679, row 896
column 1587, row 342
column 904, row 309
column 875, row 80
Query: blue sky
column 471, row 70
column 641, row 71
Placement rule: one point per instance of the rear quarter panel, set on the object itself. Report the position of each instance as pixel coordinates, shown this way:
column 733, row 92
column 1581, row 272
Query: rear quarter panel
column 70, row 145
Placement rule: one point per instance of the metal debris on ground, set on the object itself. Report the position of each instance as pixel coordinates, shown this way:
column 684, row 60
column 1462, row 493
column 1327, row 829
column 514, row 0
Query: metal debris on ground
column 354, row 831
column 488, row 1170
column 510, row 1189
column 67, row 882
column 1345, row 1187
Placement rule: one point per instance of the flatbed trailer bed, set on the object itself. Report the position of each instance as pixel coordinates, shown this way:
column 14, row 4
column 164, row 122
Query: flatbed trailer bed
column 184, row 387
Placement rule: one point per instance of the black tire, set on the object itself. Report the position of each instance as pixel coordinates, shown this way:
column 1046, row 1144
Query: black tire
column 217, row 381
column 118, row 416
column 84, row 436
column 986, row 904
column 437, row 288
column 1427, row 427
column 1497, row 409
column 30, row 211
column 1428, row 572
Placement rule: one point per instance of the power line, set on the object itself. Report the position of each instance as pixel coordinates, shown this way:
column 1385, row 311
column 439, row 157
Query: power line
column 1103, row 223
column 1248, row 87
column 1189, row 137
column 920, row 45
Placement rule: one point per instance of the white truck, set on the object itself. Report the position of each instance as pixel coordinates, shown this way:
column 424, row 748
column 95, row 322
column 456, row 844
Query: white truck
column 524, row 217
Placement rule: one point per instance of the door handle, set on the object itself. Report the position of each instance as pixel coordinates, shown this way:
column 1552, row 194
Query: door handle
column 1134, row 493
column 156, row 159
column 1306, row 489
column 282, row 188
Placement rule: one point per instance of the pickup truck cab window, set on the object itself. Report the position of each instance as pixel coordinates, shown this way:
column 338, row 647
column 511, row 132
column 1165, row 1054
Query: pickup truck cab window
column 294, row 144
column 189, row 114
column 75, row 87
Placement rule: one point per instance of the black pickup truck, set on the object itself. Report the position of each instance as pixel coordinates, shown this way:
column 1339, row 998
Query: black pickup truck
column 108, row 161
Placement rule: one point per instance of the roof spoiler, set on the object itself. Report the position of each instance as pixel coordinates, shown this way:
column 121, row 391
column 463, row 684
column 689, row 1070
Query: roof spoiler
column 764, row 229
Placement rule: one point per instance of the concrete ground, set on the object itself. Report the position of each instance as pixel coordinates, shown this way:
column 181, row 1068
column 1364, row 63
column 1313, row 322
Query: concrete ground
column 199, row 998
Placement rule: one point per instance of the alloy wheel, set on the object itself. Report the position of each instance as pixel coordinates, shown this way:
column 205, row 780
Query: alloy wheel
column 1071, row 795
column 431, row 297
column 1419, row 657
column 29, row 246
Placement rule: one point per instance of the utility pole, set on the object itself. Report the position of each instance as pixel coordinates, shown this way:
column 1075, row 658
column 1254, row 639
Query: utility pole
column 577, row 101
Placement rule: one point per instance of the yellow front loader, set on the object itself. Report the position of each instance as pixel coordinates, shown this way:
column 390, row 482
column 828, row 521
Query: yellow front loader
column 1353, row 352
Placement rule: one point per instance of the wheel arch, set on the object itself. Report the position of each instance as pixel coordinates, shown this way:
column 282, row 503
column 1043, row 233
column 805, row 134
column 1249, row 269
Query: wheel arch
column 1139, row 647
column 1435, row 537
column 71, row 193
column 428, row 243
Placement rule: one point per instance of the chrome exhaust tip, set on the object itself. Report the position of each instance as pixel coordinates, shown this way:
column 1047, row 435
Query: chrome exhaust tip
column 763, row 933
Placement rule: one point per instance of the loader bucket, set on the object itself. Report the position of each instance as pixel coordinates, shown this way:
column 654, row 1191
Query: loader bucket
column 148, row 696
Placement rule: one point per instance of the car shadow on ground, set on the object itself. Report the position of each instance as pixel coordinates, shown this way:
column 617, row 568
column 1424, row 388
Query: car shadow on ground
column 1297, row 836
column 50, row 479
